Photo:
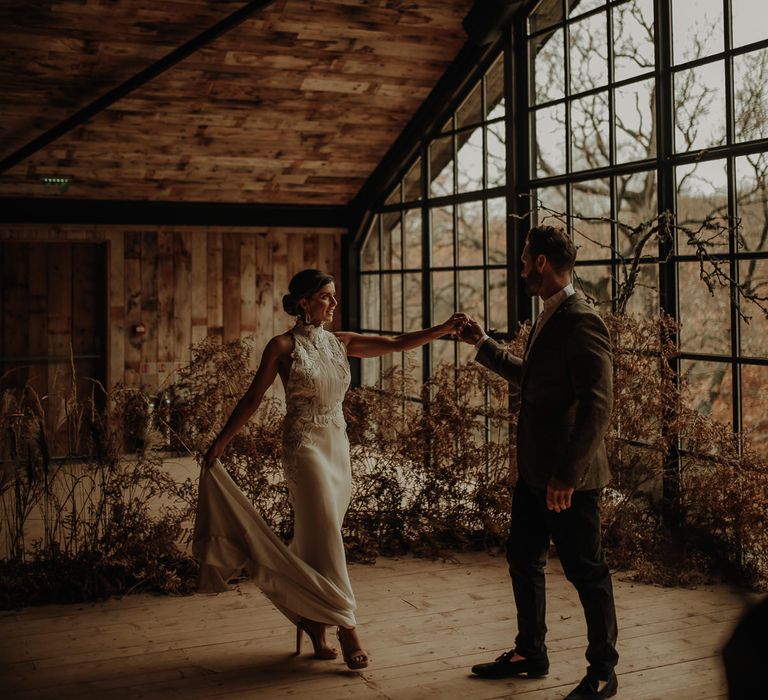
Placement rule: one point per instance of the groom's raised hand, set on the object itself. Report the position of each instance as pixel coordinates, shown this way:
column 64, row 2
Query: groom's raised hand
column 471, row 331
column 454, row 324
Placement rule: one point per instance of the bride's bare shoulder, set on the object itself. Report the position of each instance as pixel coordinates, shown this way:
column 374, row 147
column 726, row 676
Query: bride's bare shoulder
column 281, row 345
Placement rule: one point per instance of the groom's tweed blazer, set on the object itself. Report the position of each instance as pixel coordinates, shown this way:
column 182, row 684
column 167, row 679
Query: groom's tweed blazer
column 566, row 395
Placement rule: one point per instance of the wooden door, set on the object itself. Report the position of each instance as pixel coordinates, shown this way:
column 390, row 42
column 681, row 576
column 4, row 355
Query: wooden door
column 53, row 330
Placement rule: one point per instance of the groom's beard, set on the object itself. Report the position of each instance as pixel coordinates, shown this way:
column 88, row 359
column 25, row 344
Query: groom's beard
column 533, row 282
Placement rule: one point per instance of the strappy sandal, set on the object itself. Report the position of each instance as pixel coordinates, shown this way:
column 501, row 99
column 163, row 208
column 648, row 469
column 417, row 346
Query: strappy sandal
column 321, row 652
column 356, row 659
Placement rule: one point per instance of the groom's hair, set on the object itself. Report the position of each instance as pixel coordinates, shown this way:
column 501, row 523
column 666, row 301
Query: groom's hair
column 554, row 244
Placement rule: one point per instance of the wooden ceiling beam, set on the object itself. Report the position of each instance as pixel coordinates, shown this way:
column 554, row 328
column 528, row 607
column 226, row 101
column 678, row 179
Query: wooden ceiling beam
column 128, row 213
column 133, row 83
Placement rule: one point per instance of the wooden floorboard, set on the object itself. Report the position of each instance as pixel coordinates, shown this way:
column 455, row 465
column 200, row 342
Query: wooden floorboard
column 423, row 622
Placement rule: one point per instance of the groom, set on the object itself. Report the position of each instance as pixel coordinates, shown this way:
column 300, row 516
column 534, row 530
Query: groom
column 565, row 384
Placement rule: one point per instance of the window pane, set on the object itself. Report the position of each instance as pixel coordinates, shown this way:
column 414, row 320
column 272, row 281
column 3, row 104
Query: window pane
column 442, row 352
column 636, row 203
column 702, row 195
column 700, row 107
column 711, row 390
column 547, row 13
column 442, row 296
column 441, row 164
column 391, row 241
column 549, row 138
column 588, row 53
column 752, row 196
column 470, row 160
column 753, row 278
column 472, row 294
column 470, row 111
column 644, row 297
column 697, row 29
column 635, row 126
column 754, row 411
column 394, row 196
column 370, row 255
column 497, row 155
column 442, row 236
column 467, row 354
column 705, row 323
column 633, row 50
column 412, row 238
column 470, row 233
column 413, row 364
column 745, row 29
column 550, row 205
column 370, row 301
column 750, row 95
column 592, row 200
column 547, row 63
column 412, row 183
column 494, row 90
column 413, row 296
column 370, row 370
column 497, row 230
column 497, row 300
column 580, row 6
column 589, row 132
column 595, row 283
column 392, row 303
column 391, row 372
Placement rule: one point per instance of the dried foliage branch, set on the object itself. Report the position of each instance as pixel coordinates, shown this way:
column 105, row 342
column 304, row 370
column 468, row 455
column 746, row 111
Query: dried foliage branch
column 90, row 523
column 722, row 487
column 663, row 231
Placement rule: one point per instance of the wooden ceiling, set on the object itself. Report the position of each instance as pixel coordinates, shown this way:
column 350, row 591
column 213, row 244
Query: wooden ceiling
column 296, row 105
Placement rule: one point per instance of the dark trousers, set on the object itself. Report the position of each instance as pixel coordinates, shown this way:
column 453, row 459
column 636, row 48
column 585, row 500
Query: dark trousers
column 576, row 534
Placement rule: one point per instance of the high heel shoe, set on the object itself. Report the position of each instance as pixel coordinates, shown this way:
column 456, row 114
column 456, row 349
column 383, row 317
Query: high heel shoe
column 356, row 659
column 321, row 652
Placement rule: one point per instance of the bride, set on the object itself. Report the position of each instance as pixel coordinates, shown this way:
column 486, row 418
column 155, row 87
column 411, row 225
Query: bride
column 308, row 581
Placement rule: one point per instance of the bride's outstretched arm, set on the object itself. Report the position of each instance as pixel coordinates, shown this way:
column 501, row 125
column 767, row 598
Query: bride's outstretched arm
column 245, row 408
column 374, row 345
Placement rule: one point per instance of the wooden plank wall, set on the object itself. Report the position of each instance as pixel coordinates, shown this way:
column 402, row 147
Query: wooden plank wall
column 182, row 284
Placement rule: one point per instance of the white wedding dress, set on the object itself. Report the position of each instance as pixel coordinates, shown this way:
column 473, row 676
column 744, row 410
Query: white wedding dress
column 308, row 579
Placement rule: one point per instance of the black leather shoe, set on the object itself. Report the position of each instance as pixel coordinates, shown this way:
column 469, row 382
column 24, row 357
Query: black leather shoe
column 504, row 668
column 588, row 689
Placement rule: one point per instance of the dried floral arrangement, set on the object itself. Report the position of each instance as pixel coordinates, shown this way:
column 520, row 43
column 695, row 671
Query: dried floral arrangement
column 95, row 534
column 432, row 471
column 673, row 526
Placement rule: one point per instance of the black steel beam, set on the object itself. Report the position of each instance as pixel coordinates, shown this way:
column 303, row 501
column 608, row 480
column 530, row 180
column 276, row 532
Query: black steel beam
column 126, row 213
column 667, row 201
column 133, row 83
column 518, row 145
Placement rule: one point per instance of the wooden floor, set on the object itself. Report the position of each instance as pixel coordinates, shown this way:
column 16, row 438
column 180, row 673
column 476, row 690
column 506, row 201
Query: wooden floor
column 424, row 623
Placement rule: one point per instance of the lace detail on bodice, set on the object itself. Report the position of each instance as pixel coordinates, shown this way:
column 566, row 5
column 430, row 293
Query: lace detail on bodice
column 317, row 382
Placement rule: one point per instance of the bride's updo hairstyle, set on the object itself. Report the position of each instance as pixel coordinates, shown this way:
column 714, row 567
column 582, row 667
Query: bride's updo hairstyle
column 302, row 286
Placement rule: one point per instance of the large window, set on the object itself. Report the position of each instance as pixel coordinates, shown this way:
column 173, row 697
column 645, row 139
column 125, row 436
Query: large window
column 593, row 131
column 621, row 130
column 439, row 241
column 626, row 112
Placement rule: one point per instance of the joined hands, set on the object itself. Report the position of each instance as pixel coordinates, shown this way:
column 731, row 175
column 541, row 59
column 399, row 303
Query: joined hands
column 465, row 328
